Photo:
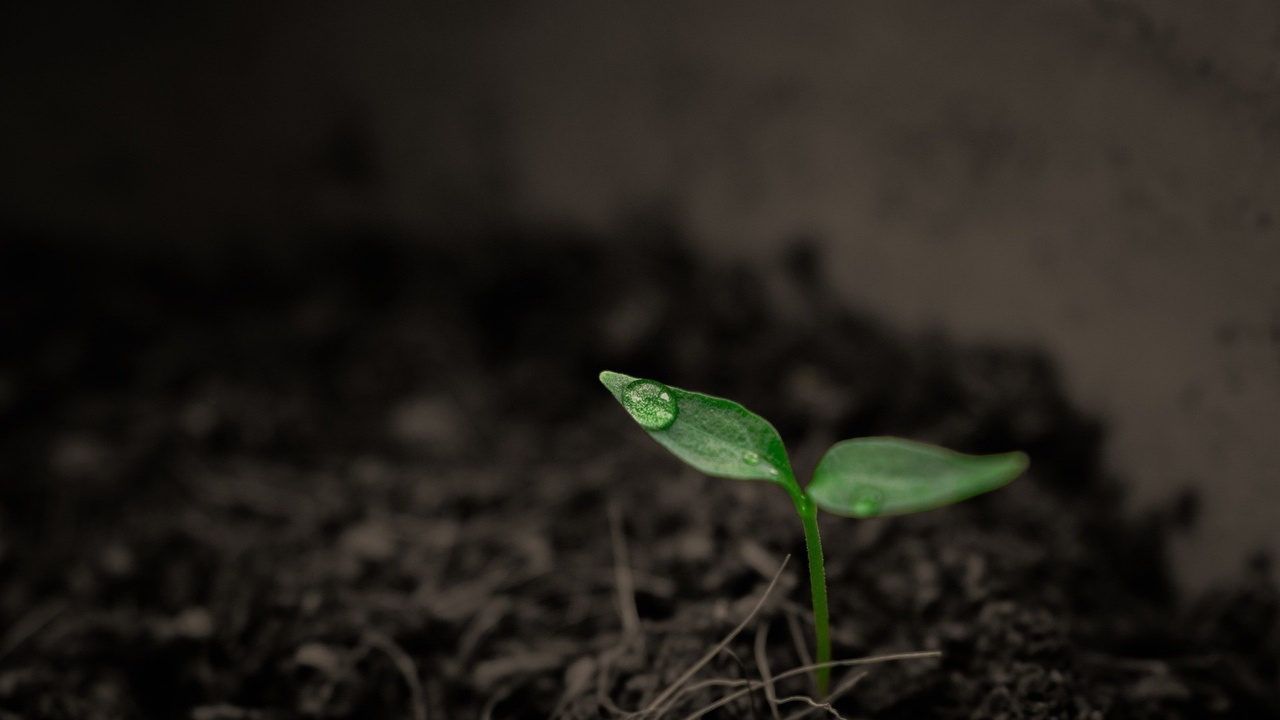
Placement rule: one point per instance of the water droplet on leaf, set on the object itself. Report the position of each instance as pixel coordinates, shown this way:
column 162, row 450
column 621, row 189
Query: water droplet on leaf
column 867, row 501
column 751, row 458
column 650, row 404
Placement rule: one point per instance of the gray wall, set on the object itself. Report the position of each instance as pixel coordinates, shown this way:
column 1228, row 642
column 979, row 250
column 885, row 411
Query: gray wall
column 1100, row 178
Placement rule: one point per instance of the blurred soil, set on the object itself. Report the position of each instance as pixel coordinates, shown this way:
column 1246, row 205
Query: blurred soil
column 364, row 481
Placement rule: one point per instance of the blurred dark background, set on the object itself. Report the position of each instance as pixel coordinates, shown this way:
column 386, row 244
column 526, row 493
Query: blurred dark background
column 1100, row 179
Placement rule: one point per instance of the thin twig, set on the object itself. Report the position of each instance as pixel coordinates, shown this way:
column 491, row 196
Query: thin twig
column 762, row 662
column 685, row 691
column 742, row 667
column 502, row 693
column 624, row 586
column 845, row 686
column 813, row 704
column 810, row 668
column 486, row 620
column 28, row 626
column 797, row 638
column 623, row 579
column 435, row 699
column 853, row 662
column 405, row 665
column 657, row 702
column 602, row 678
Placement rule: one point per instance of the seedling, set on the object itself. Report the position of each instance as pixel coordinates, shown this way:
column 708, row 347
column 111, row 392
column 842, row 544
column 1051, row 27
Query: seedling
column 860, row 478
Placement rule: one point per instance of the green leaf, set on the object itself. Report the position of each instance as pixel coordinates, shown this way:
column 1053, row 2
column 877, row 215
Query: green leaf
column 867, row 477
column 716, row 436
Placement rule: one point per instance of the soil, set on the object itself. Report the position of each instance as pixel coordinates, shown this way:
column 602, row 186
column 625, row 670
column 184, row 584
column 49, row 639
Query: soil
column 379, row 478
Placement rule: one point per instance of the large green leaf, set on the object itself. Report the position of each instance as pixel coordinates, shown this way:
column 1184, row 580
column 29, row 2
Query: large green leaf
column 867, row 477
column 716, row 436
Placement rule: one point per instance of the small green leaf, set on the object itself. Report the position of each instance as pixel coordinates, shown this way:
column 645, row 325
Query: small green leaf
column 716, row 436
column 867, row 477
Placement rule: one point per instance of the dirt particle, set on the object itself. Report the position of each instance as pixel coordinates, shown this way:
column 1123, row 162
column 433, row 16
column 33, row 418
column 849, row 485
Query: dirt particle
column 80, row 456
column 319, row 657
column 117, row 561
column 371, row 541
column 194, row 623
column 431, row 424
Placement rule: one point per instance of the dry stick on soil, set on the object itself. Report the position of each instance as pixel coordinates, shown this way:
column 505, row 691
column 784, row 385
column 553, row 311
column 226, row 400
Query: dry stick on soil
column 607, row 659
column 622, row 574
column 491, row 613
column 624, row 584
column 657, row 702
column 762, row 662
column 28, row 626
column 405, row 665
column 752, row 687
column 502, row 693
column 700, row 685
column 435, row 699
column 577, row 678
column 689, row 690
column 797, row 638
column 745, row 673
column 845, row 686
column 813, row 705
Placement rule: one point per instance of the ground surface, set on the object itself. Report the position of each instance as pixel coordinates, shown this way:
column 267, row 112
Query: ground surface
column 381, row 484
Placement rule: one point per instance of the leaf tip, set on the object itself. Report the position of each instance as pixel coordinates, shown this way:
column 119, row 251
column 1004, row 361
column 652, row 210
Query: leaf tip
column 615, row 382
column 1024, row 460
column 1018, row 464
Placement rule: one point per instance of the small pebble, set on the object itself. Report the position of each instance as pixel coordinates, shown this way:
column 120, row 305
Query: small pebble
column 116, row 561
column 428, row 423
column 194, row 623
column 79, row 456
column 371, row 541
column 319, row 657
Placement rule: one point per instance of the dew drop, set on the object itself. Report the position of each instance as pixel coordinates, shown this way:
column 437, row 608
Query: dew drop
column 751, row 458
column 866, row 501
column 650, row 404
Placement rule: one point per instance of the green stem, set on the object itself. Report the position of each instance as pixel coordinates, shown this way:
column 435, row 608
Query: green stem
column 818, row 584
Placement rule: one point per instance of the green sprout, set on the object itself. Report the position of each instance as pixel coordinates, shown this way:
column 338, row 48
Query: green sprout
column 861, row 478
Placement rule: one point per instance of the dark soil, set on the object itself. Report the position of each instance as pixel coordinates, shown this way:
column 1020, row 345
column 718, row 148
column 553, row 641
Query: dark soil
column 366, row 481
